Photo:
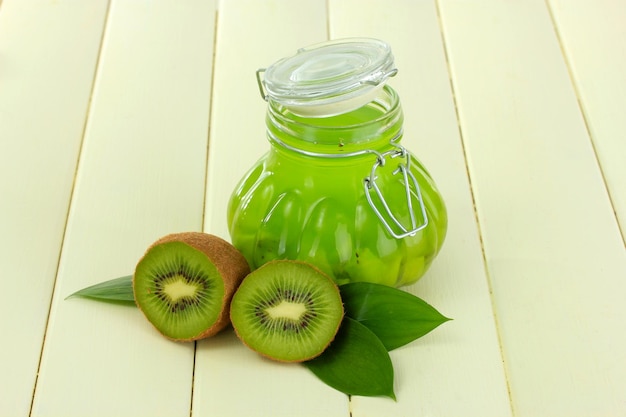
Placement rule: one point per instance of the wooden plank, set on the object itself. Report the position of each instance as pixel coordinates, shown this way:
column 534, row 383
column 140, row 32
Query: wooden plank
column 46, row 75
column 141, row 175
column 238, row 122
column 593, row 39
column 434, row 376
column 555, row 257
column 230, row 379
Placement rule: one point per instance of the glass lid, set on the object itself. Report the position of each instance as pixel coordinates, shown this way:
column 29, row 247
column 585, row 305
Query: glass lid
column 329, row 78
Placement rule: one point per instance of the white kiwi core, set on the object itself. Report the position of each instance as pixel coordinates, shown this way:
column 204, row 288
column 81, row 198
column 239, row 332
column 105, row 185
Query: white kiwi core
column 180, row 288
column 286, row 310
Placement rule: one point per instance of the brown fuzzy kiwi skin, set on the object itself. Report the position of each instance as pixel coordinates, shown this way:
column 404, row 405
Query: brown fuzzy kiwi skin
column 229, row 262
column 336, row 330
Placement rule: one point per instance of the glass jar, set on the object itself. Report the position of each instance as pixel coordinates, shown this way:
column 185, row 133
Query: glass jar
column 337, row 189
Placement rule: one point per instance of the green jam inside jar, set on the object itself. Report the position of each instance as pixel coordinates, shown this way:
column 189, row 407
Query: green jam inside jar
column 306, row 198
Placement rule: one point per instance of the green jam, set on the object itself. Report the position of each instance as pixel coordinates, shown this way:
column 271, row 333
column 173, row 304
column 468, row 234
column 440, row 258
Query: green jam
column 306, row 199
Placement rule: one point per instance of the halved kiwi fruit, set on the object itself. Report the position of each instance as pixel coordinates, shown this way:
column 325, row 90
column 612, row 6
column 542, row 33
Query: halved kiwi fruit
column 287, row 311
column 184, row 284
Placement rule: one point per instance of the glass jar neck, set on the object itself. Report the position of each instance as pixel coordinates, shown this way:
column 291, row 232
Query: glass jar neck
column 371, row 127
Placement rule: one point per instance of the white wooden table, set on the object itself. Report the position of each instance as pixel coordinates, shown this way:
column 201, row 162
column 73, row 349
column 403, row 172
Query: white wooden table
column 124, row 120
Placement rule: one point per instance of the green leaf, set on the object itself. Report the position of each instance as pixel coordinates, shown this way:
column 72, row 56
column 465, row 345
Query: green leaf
column 395, row 316
column 115, row 290
column 355, row 363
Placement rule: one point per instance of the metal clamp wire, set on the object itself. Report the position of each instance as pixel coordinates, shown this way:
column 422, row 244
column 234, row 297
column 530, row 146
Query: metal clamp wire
column 369, row 183
column 409, row 178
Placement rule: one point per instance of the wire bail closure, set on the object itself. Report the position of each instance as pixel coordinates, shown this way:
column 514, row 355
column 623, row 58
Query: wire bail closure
column 396, row 228
column 259, row 81
column 411, row 186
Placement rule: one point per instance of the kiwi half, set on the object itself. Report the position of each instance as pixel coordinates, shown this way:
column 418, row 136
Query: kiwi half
column 288, row 311
column 184, row 284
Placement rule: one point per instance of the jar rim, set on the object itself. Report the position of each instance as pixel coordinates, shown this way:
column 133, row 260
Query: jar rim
column 375, row 124
column 329, row 78
column 387, row 99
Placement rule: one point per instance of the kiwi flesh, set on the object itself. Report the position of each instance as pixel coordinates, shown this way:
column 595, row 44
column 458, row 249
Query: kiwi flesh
column 287, row 310
column 184, row 284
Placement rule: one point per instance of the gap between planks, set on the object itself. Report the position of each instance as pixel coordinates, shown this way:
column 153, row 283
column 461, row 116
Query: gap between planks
column 206, row 181
column 69, row 206
column 621, row 228
column 327, row 38
column 210, row 117
column 476, row 217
